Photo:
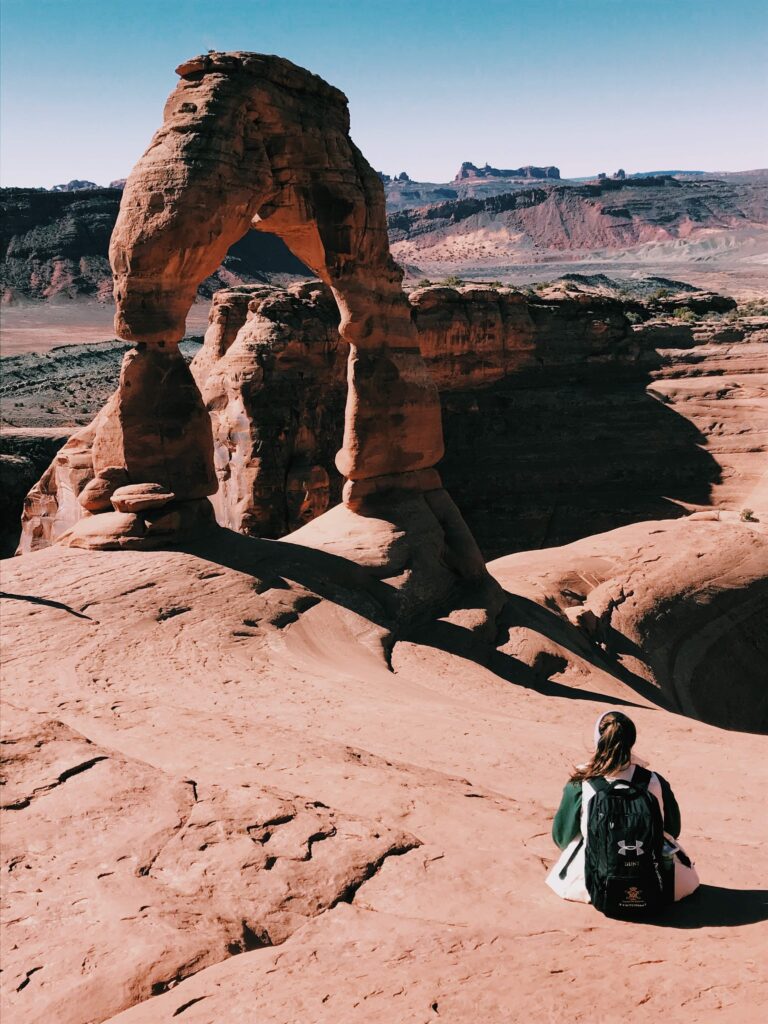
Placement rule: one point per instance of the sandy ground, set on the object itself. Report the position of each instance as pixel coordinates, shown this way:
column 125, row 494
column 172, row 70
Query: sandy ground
column 39, row 328
column 213, row 666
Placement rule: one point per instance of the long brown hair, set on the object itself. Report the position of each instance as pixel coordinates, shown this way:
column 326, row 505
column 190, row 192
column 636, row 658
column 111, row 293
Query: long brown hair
column 614, row 747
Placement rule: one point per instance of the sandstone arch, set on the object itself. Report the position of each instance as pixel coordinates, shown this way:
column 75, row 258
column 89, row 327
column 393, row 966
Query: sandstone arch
column 254, row 141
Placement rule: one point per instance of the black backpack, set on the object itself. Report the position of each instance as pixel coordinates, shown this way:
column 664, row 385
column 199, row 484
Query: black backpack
column 624, row 867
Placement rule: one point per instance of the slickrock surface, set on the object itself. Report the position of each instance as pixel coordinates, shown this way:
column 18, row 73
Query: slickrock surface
column 679, row 605
column 144, row 878
column 262, row 672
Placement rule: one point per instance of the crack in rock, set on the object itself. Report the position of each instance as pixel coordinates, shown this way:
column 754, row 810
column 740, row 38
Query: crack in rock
column 351, row 890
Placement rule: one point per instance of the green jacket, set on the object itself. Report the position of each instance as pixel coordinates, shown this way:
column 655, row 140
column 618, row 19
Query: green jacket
column 567, row 823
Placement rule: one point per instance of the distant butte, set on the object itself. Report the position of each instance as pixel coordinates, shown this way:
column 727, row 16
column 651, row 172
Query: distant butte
column 469, row 171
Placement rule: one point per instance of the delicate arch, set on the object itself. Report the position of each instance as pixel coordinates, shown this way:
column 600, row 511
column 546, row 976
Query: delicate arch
column 254, row 141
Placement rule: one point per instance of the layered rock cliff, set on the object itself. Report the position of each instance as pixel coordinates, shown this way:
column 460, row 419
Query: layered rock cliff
column 271, row 141
column 529, row 225
column 55, row 243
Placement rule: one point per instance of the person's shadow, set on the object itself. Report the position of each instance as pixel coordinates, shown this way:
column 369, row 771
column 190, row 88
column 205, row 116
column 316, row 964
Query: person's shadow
column 714, row 906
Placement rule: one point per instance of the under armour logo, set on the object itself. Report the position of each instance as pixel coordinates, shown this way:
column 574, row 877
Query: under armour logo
column 625, row 848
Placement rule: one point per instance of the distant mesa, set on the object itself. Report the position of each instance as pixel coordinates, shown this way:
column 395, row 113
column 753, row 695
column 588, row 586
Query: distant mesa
column 468, row 171
column 82, row 185
column 76, row 185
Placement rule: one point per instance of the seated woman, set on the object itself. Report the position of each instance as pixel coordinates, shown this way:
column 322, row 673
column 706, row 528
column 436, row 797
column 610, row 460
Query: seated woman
column 615, row 736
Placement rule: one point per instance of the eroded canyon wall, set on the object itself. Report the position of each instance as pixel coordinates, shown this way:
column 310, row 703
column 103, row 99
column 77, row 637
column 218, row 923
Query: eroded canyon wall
column 561, row 417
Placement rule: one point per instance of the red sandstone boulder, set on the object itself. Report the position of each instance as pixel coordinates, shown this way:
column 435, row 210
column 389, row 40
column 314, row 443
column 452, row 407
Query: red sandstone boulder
column 140, row 497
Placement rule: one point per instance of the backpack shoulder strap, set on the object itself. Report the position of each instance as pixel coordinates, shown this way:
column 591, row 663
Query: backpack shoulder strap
column 564, row 870
column 641, row 777
column 599, row 784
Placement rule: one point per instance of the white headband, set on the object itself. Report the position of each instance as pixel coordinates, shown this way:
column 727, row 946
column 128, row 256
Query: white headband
column 600, row 718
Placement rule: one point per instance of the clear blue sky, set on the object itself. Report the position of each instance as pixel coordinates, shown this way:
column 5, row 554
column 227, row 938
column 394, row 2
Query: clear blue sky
column 588, row 85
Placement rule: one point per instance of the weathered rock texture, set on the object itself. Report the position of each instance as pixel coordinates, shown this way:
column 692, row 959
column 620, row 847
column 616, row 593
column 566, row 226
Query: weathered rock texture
column 272, row 372
column 272, row 141
column 54, row 246
column 538, row 395
column 251, row 141
column 572, row 421
column 24, row 456
column 144, row 878
column 255, row 670
column 654, row 220
column 561, row 417
column 679, row 606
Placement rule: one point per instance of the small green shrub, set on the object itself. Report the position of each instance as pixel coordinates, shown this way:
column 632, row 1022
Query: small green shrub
column 452, row 281
column 424, row 283
column 747, row 515
column 753, row 307
column 686, row 315
column 661, row 293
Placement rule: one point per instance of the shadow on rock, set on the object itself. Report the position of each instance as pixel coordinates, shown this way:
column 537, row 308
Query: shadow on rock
column 330, row 576
column 458, row 641
column 522, row 612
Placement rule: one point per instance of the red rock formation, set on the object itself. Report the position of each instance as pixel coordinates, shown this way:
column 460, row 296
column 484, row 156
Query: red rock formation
column 272, row 373
column 676, row 608
column 167, row 845
column 255, row 142
column 539, row 395
column 171, row 709
column 290, row 168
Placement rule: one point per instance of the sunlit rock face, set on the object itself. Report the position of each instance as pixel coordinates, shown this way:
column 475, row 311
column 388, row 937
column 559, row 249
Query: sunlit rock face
column 248, row 142
column 251, row 141
column 272, row 372
column 555, row 409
